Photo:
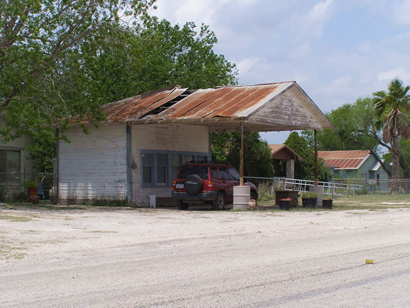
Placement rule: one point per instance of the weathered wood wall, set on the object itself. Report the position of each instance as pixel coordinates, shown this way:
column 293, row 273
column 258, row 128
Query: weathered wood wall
column 183, row 138
column 93, row 165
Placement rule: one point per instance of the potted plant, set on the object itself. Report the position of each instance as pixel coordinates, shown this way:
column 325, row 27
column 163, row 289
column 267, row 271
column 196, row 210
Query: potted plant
column 309, row 199
column 284, row 204
column 327, row 203
column 32, row 186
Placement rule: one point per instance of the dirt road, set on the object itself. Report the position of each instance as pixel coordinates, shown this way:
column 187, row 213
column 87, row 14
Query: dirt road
column 169, row 258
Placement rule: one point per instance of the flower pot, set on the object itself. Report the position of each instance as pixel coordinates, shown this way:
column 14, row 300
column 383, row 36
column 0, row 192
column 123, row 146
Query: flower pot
column 309, row 202
column 284, row 205
column 32, row 191
column 34, row 199
column 327, row 204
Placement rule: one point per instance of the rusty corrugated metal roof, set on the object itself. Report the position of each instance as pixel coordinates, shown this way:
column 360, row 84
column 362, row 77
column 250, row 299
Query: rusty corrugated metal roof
column 253, row 104
column 344, row 159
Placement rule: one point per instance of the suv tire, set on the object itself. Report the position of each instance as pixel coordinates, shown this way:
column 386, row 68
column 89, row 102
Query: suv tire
column 219, row 203
column 193, row 184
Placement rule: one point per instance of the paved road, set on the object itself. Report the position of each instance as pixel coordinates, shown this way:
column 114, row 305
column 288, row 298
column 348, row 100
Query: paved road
column 212, row 259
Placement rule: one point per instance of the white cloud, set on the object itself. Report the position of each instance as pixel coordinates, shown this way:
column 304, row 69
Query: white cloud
column 402, row 13
column 245, row 65
column 400, row 72
column 365, row 47
column 312, row 24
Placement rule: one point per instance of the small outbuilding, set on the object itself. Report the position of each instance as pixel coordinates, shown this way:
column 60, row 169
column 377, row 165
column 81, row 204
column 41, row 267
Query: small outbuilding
column 283, row 152
column 136, row 151
column 15, row 163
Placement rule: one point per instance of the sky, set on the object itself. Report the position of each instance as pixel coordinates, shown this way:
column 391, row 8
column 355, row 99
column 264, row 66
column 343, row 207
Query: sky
column 336, row 50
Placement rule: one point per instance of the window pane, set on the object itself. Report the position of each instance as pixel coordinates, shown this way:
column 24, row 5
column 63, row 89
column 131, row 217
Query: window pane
column 235, row 175
column 147, row 175
column 3, row 165
column 223, row 173
column 199, row 170
column 203, row 159
column 161, row 175
column 188, row 158
column 175, row 163
column 175, row 160
column 214, row 173
column 147, row 159
column 162, row 159
column 13, row 158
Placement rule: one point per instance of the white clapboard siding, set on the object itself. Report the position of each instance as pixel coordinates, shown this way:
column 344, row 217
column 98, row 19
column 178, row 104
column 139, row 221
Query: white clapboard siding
column 93, row 165
column 175, row 138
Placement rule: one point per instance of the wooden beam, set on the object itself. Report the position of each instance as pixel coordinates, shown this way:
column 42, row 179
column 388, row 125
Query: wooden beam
column 241, row 158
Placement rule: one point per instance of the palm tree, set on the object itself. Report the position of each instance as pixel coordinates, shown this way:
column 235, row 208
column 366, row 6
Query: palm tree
column 390, row 109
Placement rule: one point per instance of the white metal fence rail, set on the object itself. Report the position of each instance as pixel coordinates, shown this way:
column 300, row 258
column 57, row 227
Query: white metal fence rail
column 339, row 187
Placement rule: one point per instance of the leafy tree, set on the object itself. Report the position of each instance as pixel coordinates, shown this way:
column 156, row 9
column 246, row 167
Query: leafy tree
column 390, row 110
column 130, row 60
column 37, row 39
column 257, row 154
column 305, row 169
column 67, row 58
column 355, row 129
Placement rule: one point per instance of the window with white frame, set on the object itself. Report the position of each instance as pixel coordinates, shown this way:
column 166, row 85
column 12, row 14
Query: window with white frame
column 159, row 168
column 10, row 165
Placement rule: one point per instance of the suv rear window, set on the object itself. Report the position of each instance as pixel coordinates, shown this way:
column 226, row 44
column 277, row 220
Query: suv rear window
column 184, row 171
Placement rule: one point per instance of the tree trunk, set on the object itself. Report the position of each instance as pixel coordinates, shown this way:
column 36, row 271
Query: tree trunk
column 395, row 187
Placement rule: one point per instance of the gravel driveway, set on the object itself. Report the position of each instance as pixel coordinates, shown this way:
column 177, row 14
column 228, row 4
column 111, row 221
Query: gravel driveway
column 167, row 258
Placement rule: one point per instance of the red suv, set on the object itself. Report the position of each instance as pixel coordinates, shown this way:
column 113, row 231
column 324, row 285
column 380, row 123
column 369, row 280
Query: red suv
column 207, row 183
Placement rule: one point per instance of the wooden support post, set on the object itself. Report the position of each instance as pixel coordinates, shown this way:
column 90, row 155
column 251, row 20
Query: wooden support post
column 241, row 158
column 316, row 161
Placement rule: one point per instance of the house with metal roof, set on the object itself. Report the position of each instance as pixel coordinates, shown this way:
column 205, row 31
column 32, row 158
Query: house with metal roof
column 136, row 151
column 15, row 163
column 358, row 164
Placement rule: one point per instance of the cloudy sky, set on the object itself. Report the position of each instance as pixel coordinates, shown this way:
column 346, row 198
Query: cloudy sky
column 336, row 50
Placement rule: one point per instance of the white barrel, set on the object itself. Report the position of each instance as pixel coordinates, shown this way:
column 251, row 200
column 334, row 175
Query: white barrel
column 241, row 197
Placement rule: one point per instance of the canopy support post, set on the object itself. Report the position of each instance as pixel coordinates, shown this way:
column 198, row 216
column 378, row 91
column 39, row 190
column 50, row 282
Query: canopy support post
column 241, row 158
column 316, row 161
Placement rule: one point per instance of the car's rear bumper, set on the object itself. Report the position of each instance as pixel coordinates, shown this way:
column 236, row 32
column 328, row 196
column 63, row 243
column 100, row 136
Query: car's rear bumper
column 201, row 197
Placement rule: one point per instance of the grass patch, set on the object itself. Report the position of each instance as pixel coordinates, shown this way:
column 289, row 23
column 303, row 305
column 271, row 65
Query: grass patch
column 14, row 218
column 8, row 252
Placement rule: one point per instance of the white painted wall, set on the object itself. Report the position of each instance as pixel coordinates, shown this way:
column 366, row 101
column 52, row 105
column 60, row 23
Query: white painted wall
column 187, row 138
column 93, row 165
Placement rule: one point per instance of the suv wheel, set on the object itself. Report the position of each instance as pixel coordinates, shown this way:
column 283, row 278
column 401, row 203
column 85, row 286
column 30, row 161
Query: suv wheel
column 219, row 203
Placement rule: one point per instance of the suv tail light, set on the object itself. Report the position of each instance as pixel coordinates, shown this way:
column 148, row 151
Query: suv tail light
column 210, row 185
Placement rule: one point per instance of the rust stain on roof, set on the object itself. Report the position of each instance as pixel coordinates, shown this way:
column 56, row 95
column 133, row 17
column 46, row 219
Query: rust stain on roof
column 231, row 103
column 344, row 159
column 143, row 106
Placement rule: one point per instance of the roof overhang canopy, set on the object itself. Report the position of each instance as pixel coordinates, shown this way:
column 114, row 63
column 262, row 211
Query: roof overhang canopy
column 280, row 106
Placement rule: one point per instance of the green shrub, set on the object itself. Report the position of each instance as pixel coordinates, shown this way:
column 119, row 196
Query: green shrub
column 309, row 194
column 30, row 183
column 108, row 202
column 3, row 193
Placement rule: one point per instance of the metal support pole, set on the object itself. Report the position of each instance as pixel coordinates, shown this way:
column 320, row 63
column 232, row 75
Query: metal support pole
column 316, row 163
column 241, row 158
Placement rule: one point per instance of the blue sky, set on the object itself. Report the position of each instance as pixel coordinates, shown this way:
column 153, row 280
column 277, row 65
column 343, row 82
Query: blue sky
column 336, row 50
